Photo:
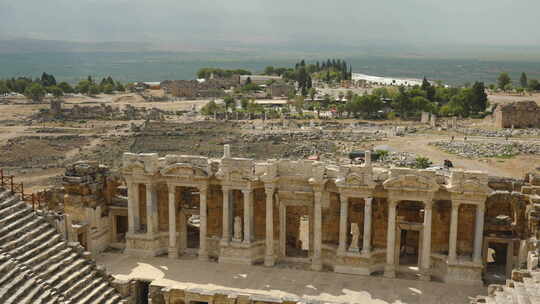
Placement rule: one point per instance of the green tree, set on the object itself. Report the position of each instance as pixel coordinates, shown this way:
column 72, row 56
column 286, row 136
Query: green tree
column 534, row 84
column 56, row 91
column 422, row 162
column 479, row 99
column 93, row 89
column 349, row 95
column 523, row 80
column 3, row 88
column 65, row 87
column 229, row 102
column 210, row 108
column 299, row 104
column 83, row 87
column 312, row 93
column 119, row 87
column 108, row 88
column 429, row 89
column 35, row 91
column 504, row 80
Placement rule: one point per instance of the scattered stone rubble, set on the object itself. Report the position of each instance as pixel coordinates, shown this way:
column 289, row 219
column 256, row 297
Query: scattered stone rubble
column 499, row 133
column 476, row 149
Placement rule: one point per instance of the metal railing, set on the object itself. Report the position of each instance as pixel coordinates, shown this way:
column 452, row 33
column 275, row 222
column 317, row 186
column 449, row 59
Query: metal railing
column 36, row 199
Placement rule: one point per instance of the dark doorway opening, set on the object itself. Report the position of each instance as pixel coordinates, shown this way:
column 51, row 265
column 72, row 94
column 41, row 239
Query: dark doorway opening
column 409, row 248
column 193, row 236
column 141, row 292
column 297, row 233
column 496, row 263
column 121, row 228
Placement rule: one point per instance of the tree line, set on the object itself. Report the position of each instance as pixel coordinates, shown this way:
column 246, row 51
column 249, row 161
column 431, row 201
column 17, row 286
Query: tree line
column 36, row 89
column 504, row 82
column 206, row 73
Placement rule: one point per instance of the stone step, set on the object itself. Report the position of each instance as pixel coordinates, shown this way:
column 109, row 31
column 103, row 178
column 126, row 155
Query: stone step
column 85, row 290
column 34, row 295
column 94, row 293
column 28, row 286
column 10, row 286
column 21, row 230
column 14, row 216
column 43, row 250
column 10, row 206
column 8, row 200
column 102, row 298
column 67, row 271
column 30, row 239
column 16, row 223
column 52, row 269
column 4, row 194
column 56, row 257
column 9, row 275
column 7, row 214
column 83, row 281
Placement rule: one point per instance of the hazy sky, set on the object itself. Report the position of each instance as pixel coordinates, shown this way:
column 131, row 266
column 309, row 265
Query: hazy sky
column 493, row 22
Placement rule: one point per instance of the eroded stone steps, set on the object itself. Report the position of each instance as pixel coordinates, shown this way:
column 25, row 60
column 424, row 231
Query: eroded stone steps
column 48, row 262
column 14, row 216
column 10, row 206
column 43, row 251
column 77, row 298
column 30, row 240
column 17, row 223
column 53, row 268
column 71, row 269
column 21, row 231
column 83, row 281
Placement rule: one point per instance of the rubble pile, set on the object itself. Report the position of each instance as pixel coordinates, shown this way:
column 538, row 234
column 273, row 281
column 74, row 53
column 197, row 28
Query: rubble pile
column 499, row 133
column 475, row 149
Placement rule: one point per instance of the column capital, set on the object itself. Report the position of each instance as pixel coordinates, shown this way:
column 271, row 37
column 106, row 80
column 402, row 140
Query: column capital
column 150, row 185
column 368, row 201
column 247, row 191
column 171, row 187
column 203, row 187
column 343, row 199
column 226, row 188
column 428, row 204
column 393, row 204
column 456, row 204
column 270, row 188
column 481, row 208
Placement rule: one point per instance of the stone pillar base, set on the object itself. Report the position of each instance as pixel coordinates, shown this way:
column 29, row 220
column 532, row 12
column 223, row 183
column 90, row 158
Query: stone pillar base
column 389, row 271
column 316, row 265
column 269, row 261
column 425, row 276
column 173, row 253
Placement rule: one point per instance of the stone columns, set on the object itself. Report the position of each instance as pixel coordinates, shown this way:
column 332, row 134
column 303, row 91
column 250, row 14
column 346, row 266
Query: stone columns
column 478, row 234
column 173, row 248
column 134, row 220
column 426, row 242
column 452, row 246
column 226, row 238
column 151, row 211
column 269, row 259
column 316, row 261
column 203, row 250
column 343, row 216
column 390, row 267
column 248, row 216
column 366, row 245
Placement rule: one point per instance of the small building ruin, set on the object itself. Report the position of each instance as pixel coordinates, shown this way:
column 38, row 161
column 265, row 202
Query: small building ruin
column 520, row 114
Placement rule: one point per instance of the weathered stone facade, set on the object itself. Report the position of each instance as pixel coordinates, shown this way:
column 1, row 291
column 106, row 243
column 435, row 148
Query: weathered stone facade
column 521, row 114
column 445, row 220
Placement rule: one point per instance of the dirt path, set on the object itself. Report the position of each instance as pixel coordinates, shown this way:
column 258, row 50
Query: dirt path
column 515, row 167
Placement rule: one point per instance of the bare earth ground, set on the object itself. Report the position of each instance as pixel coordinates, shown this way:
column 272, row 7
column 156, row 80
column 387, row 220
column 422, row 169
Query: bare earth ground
column 107, row 140
column 322, row 286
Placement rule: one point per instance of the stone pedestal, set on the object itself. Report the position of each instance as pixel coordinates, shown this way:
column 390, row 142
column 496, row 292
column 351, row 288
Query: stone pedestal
column 144, row 245
column 242, row 253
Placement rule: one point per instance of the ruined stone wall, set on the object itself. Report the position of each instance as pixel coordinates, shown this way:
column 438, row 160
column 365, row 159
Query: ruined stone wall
column 379, row 222
column 465, row 236
column 215, row 212
column 523, row 114
column 330, row 221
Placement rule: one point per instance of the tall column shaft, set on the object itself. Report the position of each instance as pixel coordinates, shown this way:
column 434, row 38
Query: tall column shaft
column 366, row 245
column 343, row 215
column 454, row 220
column 151, row 210
column 134, row 221
column 426, row 246
column 478, row 234
column 248, row 215
column 203, row 251
column 317, row 232
column 173, row 248
column 269, row 259
column 390, row 268
column 226, row 216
